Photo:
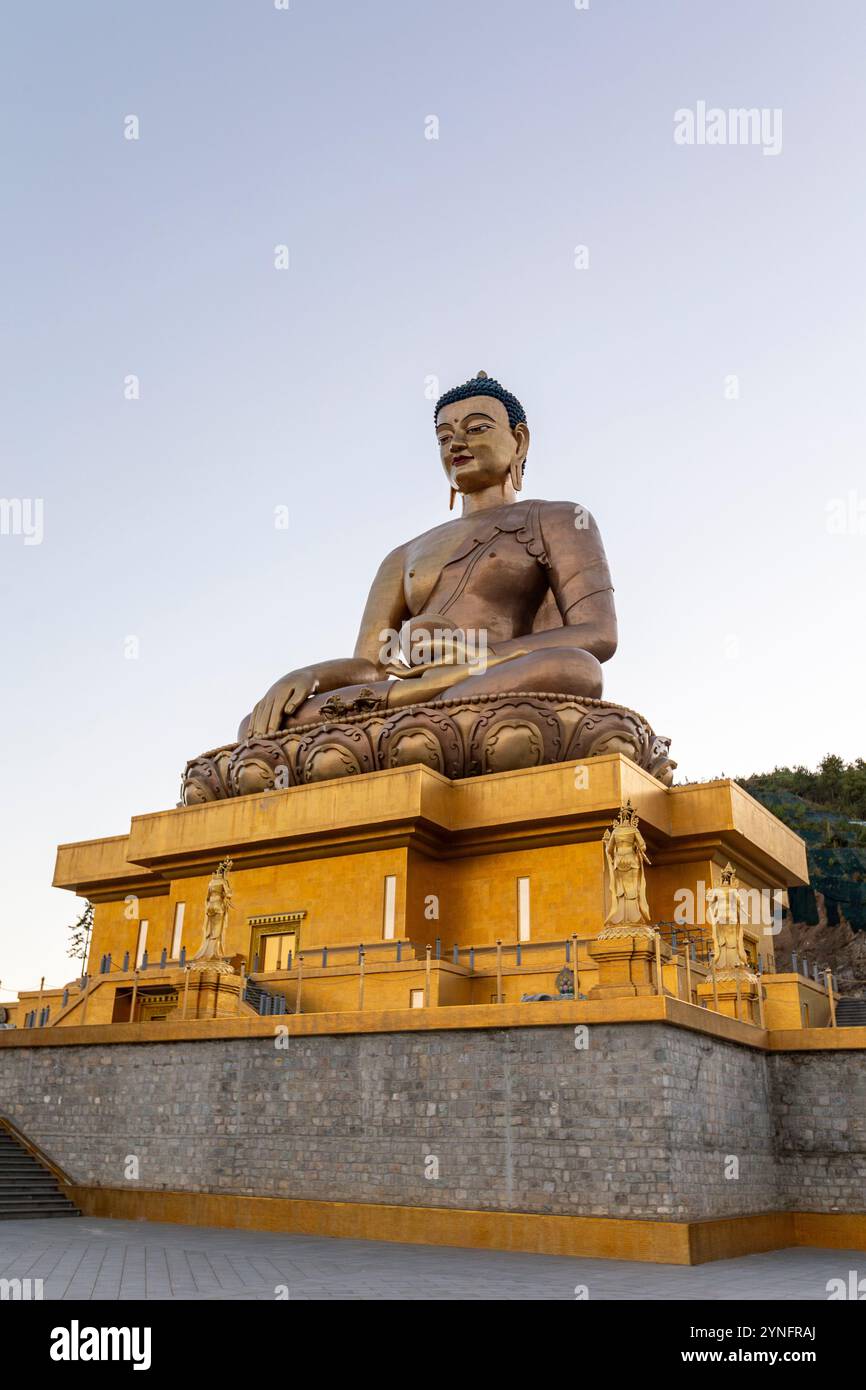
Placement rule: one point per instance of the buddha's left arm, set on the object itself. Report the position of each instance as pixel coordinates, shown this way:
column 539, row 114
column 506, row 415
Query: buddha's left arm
column 580, row 581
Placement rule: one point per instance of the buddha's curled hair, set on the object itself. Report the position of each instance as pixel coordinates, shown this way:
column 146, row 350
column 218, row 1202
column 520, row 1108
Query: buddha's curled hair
column 483, row 385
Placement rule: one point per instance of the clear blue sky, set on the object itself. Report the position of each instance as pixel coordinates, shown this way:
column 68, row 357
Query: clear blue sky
column 741, row 613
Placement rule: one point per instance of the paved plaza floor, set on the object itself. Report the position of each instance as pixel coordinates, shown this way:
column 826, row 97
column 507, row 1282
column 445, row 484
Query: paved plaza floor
column 88, row 1258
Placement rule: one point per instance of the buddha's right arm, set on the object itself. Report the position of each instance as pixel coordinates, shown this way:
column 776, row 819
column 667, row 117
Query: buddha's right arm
column 342, row 670
column 385, row 611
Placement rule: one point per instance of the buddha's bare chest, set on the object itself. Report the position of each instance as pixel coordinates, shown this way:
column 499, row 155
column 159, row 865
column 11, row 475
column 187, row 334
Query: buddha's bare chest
column 464, row 561
column 426, row 558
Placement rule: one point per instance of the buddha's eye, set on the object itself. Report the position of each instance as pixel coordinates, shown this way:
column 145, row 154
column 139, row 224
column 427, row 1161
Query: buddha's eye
column 477, row 429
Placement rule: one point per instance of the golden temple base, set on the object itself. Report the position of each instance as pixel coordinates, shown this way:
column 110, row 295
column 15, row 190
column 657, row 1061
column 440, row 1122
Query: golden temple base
column 497, row 876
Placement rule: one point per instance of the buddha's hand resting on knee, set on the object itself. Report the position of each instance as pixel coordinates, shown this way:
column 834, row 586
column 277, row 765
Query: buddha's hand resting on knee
column 283, row 699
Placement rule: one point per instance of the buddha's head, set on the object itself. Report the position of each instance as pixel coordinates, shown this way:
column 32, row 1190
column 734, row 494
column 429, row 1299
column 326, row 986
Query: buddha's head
column 483, row 436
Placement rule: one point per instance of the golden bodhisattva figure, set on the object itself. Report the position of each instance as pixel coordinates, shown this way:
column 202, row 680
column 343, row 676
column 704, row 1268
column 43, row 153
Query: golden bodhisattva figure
column 212, row 952
column 625, row 852
column 724, row 916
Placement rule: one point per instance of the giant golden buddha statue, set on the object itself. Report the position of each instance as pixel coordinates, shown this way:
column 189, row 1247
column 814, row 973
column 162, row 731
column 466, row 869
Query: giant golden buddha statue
column 512, row 598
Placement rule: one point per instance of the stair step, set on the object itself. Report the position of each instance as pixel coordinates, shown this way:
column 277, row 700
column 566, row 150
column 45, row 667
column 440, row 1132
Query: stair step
column 8, row 1189
column 25, row 1199
column 27, row 1180
column 27, row 1188
column 55, row 1194
column 14, row 1165
column 34, row 1208
column 40, row 1216
column 12, row 1174
column 39, row 1213
column 28, row 1204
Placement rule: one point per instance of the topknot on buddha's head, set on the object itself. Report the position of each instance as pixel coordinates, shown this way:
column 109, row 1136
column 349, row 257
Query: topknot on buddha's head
column 483, row 385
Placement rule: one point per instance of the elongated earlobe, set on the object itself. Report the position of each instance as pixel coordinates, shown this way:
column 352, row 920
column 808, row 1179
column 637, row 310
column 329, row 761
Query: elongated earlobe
column 451, row 503
column 517, row 475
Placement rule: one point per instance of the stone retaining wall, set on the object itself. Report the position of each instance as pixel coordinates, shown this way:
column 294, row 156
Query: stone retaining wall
column 646, row 1120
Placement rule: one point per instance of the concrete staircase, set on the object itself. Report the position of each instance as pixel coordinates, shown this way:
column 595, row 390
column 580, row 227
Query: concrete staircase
column 27, row 1187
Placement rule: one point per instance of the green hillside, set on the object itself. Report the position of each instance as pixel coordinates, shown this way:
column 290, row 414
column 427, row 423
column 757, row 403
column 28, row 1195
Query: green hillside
column 828, row 808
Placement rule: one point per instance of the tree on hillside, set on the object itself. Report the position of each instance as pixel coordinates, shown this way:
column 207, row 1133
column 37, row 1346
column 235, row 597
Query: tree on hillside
column 834, row 785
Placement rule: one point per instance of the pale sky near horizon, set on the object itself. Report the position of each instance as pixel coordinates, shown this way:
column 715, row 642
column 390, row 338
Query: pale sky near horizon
column 735, row 527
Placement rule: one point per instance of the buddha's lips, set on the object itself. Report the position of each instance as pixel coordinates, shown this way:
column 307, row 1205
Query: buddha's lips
column 463, row 458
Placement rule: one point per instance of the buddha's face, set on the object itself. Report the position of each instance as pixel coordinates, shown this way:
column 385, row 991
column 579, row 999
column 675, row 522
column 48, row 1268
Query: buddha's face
column 477, row 445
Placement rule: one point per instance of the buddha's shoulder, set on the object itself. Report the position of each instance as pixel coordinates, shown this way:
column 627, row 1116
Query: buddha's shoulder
column 570, row 518
column 557, row 511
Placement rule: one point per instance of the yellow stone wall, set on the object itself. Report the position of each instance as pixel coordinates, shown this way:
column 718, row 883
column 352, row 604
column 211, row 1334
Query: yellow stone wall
column 116, row 924
column 477, row 896
column 794, row 1002
column 342, row 897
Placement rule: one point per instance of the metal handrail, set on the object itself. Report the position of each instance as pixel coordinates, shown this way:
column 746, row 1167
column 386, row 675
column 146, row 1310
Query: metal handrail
column 34, row 1150
column 321, row 957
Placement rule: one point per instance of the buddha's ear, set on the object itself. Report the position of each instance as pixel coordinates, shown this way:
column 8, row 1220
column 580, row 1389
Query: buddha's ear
column 518, row 463
column 521, row 438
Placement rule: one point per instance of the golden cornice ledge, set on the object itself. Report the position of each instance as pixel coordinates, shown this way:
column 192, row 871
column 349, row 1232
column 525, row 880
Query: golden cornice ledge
column 488, row 814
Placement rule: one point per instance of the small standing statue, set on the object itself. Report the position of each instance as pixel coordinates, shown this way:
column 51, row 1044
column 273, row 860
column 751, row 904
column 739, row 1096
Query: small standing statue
column 723, row 915
column 212, row 952
column 625, row 851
